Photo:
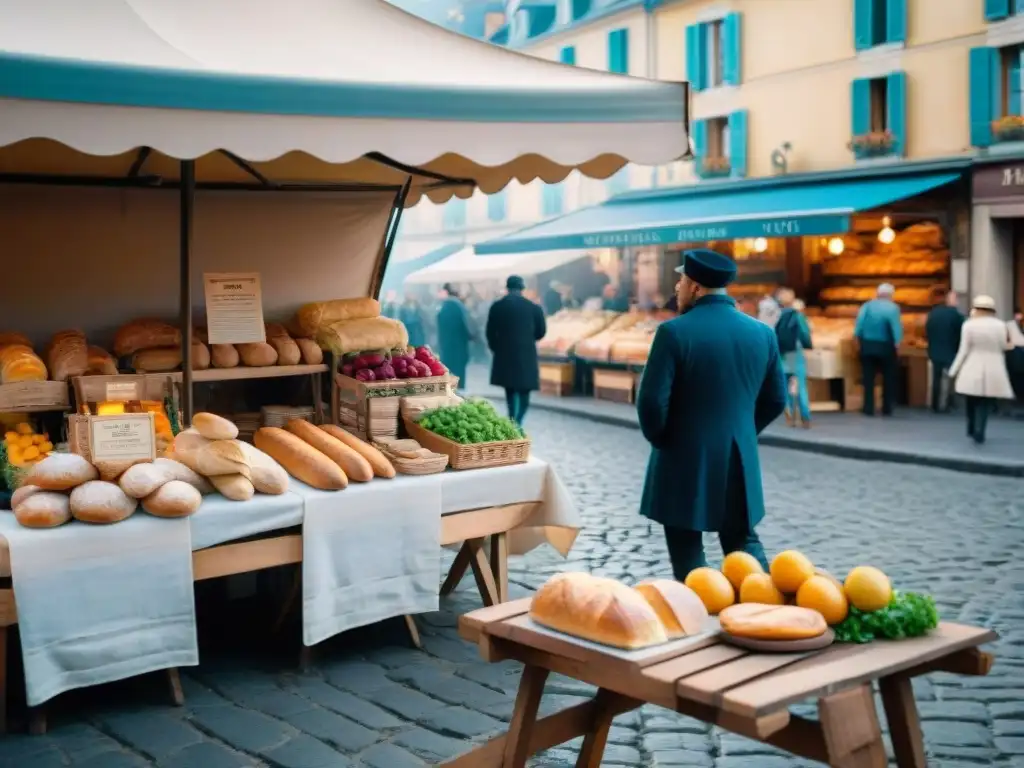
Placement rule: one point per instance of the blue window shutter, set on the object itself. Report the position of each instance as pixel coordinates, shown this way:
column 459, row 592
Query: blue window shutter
column 896, row 108
column 860, row 105
column 694, row 56
column 700, row 143
column 738, row 142
column 863, row 24
column 983, row 91
column 731, row 50
column 618, row 51
column 496, row 206
column 568, row 54
column 1013, row 87
column 896, row 21
column 996, row 9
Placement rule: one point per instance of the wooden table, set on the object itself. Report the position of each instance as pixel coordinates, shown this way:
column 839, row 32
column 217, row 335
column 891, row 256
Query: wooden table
column 744, row 692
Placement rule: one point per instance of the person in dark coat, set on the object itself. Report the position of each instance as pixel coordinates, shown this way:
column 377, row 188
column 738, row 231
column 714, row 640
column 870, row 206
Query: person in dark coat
column 514, row 326
column 411, row 316
column 614, row 300
column 552, row 299
column 712, row 383
column 454, row 333
column 942, row 330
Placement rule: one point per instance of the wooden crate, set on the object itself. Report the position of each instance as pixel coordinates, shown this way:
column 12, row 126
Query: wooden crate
column 122, row 388
column 371, row 408
column 475, row 456
column 614, row 386
column 824, row 364
column 558, row 373
column 38, row 396
column 555, row 388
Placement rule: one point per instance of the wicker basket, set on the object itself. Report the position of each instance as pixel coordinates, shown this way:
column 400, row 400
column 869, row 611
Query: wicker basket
column 475, row 456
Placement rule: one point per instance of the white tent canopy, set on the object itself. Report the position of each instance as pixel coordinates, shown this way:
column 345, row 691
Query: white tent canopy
column 466, row 266
column 309, row 90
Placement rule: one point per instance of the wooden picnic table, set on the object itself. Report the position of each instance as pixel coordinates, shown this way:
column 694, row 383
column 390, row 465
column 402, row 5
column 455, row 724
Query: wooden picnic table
column 741, row 691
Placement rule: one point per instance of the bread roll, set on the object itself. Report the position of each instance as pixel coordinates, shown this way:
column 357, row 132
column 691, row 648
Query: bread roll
column 597, row 609
column 10, row 337
column 157, row 359
column 300, row 459
column 145, row 334
column 352, row 463
column 200, row 356
column 359, row 335
column 111, row 471
column 310, row 317
column 224, row 356
column 101, row 502
column 61, row 472
column 173, row 499
column 142, row 479
column 378, row 461
column 101, row 362
column 214, row 427
column 772, row 622
column 288, row 352
column 257, row 354
column 209, row 457
column 234, row 487
column 680, row 610
column 179, row 471
column 311, row 352
column 267, row 475
column 23, row 493
column 67, row 355
column 43, row 510
column 19, row 363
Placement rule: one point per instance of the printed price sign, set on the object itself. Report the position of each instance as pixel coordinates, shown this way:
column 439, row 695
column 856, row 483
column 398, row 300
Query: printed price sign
column 234, row 308
column 122, row 437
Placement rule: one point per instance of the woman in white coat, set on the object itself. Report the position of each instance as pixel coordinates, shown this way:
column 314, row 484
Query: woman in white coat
column 980, row 365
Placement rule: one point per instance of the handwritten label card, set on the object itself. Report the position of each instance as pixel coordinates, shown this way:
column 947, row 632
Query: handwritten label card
column 122, row 437
column 234, row 308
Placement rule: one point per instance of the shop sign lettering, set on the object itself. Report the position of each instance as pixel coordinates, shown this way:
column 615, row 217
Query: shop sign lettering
column 1013, row 177
column 1005, row 181
column 781, row 228
column 622, row 239
column 699, row 234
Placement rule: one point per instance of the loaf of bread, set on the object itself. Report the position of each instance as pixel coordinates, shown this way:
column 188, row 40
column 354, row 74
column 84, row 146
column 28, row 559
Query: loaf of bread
column 311, row 352
column 61, row 472
column 288, row 352
column 67, row 355
column 772, row 622
column 257, row 354
column 224, row 356
column 112, row 470
column 142, row 479
column 597, row 609
column 10, row 337
column 214, row 427
column 200, row 356
column 301, row 460
column 146, row 333
column 680, row 610
column 100, row 362
column 267, row 475
column 380, row 464
column 311, row 317
column 208, row 457
column 178, row 471
column 45, row 509
column 101, row 503
column 173, row 499
column 352, row 463
column 359, row 335
column 23, row 493
column 157, row 359
column 19, row 363
column 234, row 487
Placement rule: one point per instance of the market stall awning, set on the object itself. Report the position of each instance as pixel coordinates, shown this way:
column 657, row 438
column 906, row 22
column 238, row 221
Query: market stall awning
column 398, row 271
column 821, row 208
column 353, row 91
column 465, row 266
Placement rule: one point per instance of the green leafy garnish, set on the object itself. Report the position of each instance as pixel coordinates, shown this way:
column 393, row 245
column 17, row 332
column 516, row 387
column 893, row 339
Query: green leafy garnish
column 472, row 421
column 908, row 614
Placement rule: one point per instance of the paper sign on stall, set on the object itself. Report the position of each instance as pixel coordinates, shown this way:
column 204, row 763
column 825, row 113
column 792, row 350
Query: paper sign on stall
column 122, row 437
column 234, row 308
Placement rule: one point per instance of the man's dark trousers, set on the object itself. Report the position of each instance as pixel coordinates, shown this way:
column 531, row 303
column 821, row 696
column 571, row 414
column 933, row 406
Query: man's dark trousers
column 878, row 357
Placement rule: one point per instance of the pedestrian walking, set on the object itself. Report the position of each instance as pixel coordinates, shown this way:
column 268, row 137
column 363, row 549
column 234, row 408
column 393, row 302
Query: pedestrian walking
column 514, row 326
column 454, row 333
column 980, row 365
column 712, row 383
column 879, row 332
column 552, row 298
column 768, row 310
column 942, row 330
column 411, row 316
column 793, row 334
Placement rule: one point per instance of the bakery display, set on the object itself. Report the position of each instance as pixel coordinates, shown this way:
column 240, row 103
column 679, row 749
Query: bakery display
column 310, row 318
column 627, row 339
column 678, row 607
column 145, row 333
column 301, row 460
column 214, row 427
column 567, row 327
column 67, row 355
column 174, row 498
column 100, row 502
column 45, row 509
column 380, row 464
column 19, row 363
column 61, row 472
column 351, row 462
column 408, row 457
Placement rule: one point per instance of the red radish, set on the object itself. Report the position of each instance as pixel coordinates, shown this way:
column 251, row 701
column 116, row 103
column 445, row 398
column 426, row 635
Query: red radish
column 372, row 359
column 385, row 371
column 436, row 369
column 348, row 369
column 365, row 375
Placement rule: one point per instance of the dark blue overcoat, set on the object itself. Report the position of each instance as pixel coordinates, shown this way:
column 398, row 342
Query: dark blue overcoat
column 712, row 383
column 454, row 332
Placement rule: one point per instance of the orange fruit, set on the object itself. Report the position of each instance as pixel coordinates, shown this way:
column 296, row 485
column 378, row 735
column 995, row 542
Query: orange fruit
column 868, row 588
column 759, row 588
column 713, row 589
column 738, row 565
column 821, row 594
column 790, row 569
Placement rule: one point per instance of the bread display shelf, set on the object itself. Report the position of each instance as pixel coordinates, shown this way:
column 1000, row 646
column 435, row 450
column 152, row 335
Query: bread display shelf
column 34, row 397
column 242, row 372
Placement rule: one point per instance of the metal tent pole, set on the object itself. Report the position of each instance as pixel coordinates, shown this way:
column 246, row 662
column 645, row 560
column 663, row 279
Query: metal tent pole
column 186, row 197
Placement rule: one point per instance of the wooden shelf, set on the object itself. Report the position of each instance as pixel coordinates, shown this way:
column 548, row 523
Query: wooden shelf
column 38, row 409
column 243, row 372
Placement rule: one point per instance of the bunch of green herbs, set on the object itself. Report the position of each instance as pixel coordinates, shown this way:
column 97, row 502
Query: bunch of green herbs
column 908, row 614
column 470, row 422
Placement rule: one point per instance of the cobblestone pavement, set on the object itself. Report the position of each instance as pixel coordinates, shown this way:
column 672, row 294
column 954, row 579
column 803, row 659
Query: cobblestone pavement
column 375, row 703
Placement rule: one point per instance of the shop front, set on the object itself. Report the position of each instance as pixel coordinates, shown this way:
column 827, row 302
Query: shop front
column 997, row 229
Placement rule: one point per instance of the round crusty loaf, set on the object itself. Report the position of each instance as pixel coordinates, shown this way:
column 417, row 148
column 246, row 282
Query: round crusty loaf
column 772, row 622
column 597, row 609
column 174, row 498
column 214, row 427
column 179, row 471
column 681, row 611
column 61, row 472
column 45, row 509
column 23, row 493
column 234, row 487
column 101, row 502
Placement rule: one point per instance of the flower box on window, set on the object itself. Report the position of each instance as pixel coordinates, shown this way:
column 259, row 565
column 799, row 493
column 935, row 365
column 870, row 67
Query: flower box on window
column 711, row 167
column 1009, row 128
column 873, row 144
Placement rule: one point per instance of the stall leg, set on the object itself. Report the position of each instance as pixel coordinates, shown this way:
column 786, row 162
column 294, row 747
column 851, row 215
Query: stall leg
column 524, row 717
column 482, row 573
column 457, row 571
column 499, row 564
column 414, row 632
column 37, row 720
column 853, row 736
column 294, row 593
column 596, row 740
column 904, row 721
column 174, row 684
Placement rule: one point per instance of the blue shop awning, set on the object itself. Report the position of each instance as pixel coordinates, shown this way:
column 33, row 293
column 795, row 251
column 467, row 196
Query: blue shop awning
column 819, row 208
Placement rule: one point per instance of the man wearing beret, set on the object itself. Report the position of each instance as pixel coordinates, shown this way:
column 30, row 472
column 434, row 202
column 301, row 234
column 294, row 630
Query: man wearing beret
column 712, row 383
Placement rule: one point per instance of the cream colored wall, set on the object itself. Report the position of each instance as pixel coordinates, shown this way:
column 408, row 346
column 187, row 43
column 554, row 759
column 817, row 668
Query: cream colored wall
column 591, row 42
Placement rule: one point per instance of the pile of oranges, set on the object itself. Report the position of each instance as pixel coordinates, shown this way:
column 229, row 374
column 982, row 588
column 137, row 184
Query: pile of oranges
column 792, row 580
column 25, row 447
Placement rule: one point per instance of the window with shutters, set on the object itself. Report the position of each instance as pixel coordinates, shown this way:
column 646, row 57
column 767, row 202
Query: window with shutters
column 879, row 116
column 1008, row 123
column 879, row 22
column 720, row 145
column 715, row 161
column 713, row 53
column 715, row 47
column 496, row 206
column 551, row 203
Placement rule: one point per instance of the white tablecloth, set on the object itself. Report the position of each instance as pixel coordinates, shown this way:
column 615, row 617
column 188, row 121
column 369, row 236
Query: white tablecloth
column 221, row 520
column 98, row 603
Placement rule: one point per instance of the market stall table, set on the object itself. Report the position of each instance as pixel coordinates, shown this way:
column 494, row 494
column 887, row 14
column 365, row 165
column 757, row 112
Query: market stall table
column 744, row 692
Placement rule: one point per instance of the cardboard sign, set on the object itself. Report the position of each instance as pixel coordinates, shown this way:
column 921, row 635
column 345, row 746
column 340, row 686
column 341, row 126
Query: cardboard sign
column 234, row 308
column 122, row 391
column 122, row 437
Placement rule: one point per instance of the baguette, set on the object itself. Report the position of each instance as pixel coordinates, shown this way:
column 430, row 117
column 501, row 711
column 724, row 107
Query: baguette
column 257, row 354
column 267, row 475
column 300, row 459
column 351, row 462
column 378, row 461
column 234, row 487
column 209, row 457
column 311, row 352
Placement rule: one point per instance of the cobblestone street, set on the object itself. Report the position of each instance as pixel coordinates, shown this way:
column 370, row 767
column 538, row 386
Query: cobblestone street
column 371, row 701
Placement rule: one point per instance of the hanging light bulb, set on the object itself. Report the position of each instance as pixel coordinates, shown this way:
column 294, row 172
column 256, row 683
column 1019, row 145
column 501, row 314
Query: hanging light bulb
column 836, row 246
column 886, row 234
column 760, row 244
